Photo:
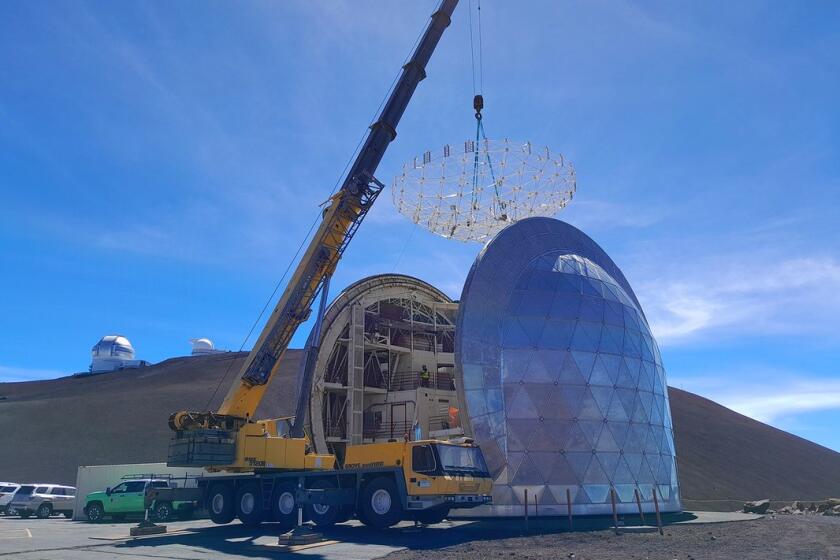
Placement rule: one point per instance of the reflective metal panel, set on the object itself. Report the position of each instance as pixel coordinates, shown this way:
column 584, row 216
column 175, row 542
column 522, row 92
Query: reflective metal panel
column 561, row 379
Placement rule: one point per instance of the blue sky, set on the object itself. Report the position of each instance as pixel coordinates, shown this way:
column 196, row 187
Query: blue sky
column 160, row 162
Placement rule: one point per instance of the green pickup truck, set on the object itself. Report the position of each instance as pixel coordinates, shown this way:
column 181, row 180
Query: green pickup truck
column 126, row 499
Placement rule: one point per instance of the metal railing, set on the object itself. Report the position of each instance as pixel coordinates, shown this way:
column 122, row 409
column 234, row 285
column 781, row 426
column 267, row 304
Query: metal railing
column 407, row 380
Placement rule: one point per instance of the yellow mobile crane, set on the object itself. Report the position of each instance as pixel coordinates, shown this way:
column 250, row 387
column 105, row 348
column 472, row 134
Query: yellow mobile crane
column 273, row 470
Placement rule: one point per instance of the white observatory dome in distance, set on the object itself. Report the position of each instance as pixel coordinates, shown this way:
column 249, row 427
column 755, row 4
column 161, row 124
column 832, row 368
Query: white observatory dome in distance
column 203, row 346
column 112, row 352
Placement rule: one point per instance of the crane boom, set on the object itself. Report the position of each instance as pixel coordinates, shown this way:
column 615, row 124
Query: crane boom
column 341, row 218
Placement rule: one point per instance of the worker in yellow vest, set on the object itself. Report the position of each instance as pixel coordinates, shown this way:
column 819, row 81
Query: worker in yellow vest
column 424, row 377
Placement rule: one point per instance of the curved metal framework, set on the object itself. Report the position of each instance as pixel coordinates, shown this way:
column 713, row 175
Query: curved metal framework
column 472, row 192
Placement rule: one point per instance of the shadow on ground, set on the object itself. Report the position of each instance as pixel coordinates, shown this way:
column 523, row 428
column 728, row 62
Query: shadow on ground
column 237, row 539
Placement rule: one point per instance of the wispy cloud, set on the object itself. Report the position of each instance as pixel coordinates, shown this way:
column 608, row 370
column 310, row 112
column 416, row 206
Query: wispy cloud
column 766, row 394
column 12, row 374
column 739, row 293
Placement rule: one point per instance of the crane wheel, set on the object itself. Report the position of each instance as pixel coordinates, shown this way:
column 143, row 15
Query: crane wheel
column 220, row 503
column 249, row 504
column 323, row 515
column 284, row 505
column 381, row 506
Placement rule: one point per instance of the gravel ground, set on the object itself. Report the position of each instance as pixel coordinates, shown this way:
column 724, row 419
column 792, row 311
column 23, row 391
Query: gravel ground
column 782, row 537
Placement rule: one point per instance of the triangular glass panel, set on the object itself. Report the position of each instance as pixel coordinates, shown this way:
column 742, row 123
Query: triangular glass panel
column 587, row 336
column 636, row 436
column 568, row 284
column 557, row 335
column 561, row 471
column 647, row 351
column 550, row 435
column 543, row 280
column 565, row 306
column 533, row 327
column 577, row 440
column 540, row 395
column 631, row 318
column 622, row 473
column 538, row 370
column 592, row 430
column 569, row 372
column 561, row 496
column 503, row 494
column 627, row 397
column 614, row 314
column 591, row 309
column 595, row 474
column 572, row 397
column 519, row 432
column 520, row 406
column 625, row 493
column 639, row 413
column 646, row 374
column 579, row 462
column 589, row 408
column 632, row 344
column 651, row 442
column 609, row 462
column 600, row 373
column 645, row 475
column 598, row 493
column 618, row 429
column 606, row 441
column 527, row 473
column 515, row 363
column 612, row 340
column 513, row 335
column 625, row 378
column 616, row 413
column 544, row 463
column 634, row 462
column 602, row 396
column 584, row 361
column 591, row 287
column 534, row 304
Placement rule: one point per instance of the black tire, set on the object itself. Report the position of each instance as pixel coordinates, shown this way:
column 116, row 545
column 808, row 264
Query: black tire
column 284, row 505
column 249, row 504
column 321, row 515
column 220, row 503
column 68, row 514
column 432, row 516
column 95, row 512
column 162, row 511
column 381, row 506
column 8, row 510
column 44, row 511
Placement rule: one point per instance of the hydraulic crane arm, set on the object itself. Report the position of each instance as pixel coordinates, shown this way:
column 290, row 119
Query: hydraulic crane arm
column 342, row 217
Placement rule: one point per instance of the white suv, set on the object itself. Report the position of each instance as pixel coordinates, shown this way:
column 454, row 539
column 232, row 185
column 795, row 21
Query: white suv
column 43, row 500
column 7, row 490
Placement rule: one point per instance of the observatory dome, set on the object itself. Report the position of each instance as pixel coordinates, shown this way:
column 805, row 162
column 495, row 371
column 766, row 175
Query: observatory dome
column 112, row 352
column 560, row 376
column 202, row 347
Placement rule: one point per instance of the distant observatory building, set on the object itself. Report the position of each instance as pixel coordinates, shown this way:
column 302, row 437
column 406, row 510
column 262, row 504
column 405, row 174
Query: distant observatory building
column 113, row 352
column 203, row 347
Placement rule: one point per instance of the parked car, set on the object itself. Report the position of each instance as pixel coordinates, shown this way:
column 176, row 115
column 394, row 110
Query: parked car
column 7, row 490
column 127, row 499
column 43, row 500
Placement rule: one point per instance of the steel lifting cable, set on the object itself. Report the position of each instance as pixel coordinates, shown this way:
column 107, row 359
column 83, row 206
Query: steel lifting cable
column 478, row 105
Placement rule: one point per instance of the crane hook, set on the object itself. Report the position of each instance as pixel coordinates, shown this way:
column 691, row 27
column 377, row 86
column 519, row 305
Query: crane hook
column 478, row 105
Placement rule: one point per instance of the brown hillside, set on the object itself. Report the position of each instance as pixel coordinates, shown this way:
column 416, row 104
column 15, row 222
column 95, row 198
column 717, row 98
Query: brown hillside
column 51, row 427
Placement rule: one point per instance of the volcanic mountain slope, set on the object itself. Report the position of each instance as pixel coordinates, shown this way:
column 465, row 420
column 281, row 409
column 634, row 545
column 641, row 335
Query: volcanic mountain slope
column 48, row 428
